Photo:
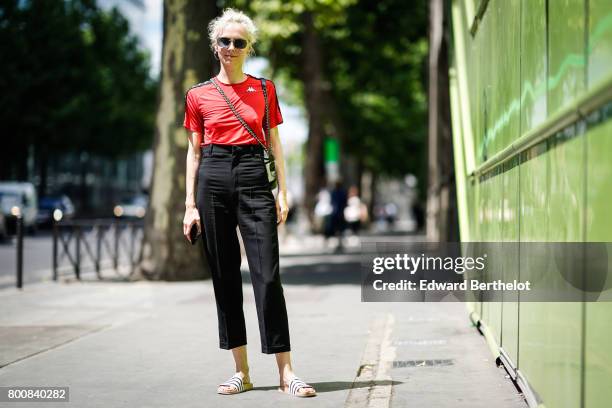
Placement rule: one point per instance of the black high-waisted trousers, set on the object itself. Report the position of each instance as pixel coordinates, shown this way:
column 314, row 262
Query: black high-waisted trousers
column 232, row 189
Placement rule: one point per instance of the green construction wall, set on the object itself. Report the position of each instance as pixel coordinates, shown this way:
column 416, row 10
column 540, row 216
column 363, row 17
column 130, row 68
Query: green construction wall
column 520, row 67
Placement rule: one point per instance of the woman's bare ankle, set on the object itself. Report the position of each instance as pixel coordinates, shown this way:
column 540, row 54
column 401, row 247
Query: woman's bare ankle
column 244, row 374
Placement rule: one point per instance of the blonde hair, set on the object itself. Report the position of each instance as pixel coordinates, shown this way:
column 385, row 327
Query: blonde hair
column 230, row 15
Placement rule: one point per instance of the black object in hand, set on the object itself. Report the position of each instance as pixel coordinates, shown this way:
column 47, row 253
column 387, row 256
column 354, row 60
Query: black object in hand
column 194, row 234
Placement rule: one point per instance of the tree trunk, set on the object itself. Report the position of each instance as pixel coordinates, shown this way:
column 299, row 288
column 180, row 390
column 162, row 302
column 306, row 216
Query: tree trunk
column 442, row 218
column 186, row 60
column 314, row 99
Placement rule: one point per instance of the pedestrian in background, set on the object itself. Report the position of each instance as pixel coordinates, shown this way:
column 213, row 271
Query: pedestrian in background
column 356, row 212
column 233, row 190
column 322, row 211
column 338, row 202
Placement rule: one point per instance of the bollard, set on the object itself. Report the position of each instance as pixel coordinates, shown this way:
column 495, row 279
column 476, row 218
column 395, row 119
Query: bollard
column 98, row 249
column 116, row 246
column 77, row 263
column 131, row 256
column 55, row 238
column 19, row 251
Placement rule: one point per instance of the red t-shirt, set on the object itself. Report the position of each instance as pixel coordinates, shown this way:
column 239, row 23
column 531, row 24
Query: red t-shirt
column 207, row 112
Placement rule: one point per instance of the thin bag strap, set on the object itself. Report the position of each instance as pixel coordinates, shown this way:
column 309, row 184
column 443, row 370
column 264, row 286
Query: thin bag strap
column 229, row 103
column 267, row 116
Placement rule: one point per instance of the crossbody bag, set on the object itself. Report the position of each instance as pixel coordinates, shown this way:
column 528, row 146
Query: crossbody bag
column 268, row 156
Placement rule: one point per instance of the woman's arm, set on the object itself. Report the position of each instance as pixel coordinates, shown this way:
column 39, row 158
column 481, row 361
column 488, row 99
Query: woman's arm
column 281, row 205
column 192, row 162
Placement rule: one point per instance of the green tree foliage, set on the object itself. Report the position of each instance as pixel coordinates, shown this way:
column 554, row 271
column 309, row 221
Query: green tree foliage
column 377, row 70
column 125, row 98
column 374, row 61
column 72, row 78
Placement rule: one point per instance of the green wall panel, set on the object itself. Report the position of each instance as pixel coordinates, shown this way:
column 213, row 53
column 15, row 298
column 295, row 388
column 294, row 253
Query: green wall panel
column 533, row 63
column 549, row 351
column 550, row 333
column 495, row 235
column 495, row 101
column 598, row 359
column 502, row 94
column 533, row 199
column 533, row 226
column 476, row 191
column 511, row 79
column 472, row 51
column 599, row 187
column 510, row 265
column 483, row 96
column 598, row 327
column 567, row 191
column 600, row 45
column 566, row 224
column 486, row 216
column 566, row 45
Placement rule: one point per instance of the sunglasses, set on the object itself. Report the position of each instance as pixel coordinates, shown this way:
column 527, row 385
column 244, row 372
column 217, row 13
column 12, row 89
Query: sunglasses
column 225, row 42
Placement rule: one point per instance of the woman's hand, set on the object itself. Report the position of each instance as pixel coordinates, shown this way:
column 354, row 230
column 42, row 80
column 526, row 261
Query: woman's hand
column 282, row 209
column 192, row 216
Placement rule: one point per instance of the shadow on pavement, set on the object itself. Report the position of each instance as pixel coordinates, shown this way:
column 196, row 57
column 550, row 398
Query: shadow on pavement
column 318, row 273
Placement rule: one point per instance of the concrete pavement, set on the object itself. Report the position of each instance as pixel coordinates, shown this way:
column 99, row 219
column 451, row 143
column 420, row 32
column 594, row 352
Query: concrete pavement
column 155, row 344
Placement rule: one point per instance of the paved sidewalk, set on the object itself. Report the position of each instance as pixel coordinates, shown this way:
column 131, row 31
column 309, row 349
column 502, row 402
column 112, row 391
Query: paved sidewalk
column 154, row 344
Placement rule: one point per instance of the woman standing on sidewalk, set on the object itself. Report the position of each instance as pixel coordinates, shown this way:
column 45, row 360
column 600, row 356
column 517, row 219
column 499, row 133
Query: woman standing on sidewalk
column 233, row 190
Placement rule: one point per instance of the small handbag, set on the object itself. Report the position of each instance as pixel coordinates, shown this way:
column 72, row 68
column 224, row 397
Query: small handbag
column 268, row 158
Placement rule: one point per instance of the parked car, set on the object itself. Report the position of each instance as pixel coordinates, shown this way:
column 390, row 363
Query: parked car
column 132, row 207
column 57, row 207
column 19, row 198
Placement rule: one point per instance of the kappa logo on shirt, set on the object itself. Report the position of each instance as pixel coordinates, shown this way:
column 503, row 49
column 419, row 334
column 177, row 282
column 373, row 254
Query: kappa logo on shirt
column 250, row 89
